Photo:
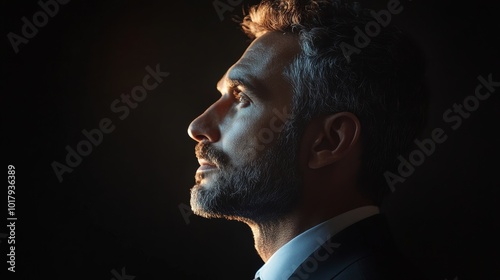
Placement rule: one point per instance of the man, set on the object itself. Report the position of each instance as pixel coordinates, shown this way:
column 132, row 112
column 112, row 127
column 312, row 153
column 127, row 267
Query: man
column 298, row 142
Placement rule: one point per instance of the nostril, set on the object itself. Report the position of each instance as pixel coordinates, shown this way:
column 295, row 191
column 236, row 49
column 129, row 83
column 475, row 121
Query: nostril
column 201, row 129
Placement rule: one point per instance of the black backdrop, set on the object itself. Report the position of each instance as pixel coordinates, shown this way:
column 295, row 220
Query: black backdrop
column 122, row 210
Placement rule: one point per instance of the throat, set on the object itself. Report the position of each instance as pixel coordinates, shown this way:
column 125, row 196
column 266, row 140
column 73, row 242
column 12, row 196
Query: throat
column 270, row 237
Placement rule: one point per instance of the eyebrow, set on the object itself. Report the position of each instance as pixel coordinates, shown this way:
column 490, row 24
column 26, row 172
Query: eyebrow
column 236, row 77
column 241, row 79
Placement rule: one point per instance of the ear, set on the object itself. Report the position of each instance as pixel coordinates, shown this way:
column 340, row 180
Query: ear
column 337, row 136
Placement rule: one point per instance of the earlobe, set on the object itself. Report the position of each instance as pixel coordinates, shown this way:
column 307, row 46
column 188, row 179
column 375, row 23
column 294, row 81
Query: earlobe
column 338, row 134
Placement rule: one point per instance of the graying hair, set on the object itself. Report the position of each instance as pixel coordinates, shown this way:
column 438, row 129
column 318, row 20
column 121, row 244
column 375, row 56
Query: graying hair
column 383, row 84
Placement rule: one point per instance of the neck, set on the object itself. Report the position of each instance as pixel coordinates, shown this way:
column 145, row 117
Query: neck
column 269, row 237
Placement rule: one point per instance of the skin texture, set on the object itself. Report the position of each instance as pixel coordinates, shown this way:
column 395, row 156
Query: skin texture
column 328, row 152
column 228, row 124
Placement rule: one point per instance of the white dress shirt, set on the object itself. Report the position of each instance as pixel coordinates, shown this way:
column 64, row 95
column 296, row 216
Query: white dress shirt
column 290, row 256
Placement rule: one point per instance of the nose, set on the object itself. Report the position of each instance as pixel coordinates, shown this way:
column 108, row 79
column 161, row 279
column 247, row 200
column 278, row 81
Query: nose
column 206, row 126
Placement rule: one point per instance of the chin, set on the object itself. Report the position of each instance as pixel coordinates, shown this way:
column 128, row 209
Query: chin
column 198, row 205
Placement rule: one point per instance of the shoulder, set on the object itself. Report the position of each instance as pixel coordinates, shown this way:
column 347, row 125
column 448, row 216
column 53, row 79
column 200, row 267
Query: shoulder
column 378, row 266
column 363, row 251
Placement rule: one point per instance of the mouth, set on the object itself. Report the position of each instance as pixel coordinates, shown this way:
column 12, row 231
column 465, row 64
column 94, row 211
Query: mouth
column 206, row 165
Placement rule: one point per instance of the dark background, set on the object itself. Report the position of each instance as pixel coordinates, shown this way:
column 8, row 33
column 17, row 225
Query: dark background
column 122, row 206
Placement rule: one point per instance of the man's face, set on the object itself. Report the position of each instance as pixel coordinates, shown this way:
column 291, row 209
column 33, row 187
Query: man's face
column 247, row 165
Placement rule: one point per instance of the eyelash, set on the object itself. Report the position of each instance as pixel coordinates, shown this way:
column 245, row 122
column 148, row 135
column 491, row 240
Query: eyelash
column 238, row 95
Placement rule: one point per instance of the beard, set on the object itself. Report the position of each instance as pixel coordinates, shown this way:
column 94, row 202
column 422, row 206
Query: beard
column 262, row 190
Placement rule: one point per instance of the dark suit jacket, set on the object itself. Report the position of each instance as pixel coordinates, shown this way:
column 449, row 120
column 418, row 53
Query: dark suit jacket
column 362, row 251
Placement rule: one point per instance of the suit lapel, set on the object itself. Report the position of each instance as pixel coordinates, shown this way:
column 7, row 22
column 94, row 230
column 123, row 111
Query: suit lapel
column 345, row 248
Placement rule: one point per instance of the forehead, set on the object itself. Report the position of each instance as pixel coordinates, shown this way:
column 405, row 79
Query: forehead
column 263, row 62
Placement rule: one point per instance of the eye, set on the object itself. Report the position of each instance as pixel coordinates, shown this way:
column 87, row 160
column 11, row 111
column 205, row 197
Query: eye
column 241, row 98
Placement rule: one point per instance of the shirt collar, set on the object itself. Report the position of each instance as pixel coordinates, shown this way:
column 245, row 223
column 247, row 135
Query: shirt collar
column 290, row 256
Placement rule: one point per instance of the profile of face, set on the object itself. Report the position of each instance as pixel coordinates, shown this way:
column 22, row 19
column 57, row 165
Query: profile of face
column 247, row 145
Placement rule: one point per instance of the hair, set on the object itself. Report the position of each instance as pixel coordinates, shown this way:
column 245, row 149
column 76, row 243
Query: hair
column 382, row 83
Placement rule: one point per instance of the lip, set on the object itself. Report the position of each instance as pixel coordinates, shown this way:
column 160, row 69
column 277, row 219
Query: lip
column 205, row 165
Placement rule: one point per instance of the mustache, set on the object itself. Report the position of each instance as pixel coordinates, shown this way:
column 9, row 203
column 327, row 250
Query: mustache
column 204, row 150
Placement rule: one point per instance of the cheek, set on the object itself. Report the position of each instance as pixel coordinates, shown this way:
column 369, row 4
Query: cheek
column 247, row 137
